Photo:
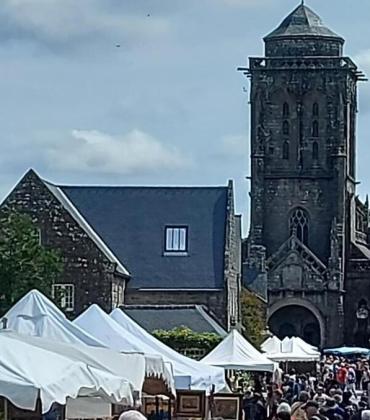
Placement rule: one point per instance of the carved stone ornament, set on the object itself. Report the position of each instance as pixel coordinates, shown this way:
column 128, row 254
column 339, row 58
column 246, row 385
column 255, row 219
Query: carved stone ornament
column 362, row 313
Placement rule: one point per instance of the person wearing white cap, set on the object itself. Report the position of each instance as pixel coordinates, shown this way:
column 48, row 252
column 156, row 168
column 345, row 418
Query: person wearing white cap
column 132, row 415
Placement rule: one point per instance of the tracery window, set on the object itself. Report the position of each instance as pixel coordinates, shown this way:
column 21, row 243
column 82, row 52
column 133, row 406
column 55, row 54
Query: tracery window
column 315, row 129
column 298, row 223
column 315, row 109
column 286, row 128
column 286, row 150
column 286, row 109
column 315, row 150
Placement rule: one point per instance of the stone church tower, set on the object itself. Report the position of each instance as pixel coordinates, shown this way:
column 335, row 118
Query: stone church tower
column 303, row 180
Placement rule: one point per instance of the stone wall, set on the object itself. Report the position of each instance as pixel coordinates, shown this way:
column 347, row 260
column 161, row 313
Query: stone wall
column 357, row 289
column 84, row 264
column 232, row 262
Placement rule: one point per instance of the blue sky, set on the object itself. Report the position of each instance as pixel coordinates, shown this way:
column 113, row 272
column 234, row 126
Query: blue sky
column 145, row 92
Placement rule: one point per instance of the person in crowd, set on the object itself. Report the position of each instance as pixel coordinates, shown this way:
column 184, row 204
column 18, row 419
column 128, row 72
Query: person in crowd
column 298, row 412
column 283, row 411
column 342, row 375
column 311, row 409
column 132, row 415
column 320, row 397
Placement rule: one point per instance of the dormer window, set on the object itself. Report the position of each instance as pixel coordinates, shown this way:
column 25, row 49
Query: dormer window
column 176, row 239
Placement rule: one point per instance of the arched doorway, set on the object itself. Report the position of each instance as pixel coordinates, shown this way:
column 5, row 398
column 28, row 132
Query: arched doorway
column 296, row 320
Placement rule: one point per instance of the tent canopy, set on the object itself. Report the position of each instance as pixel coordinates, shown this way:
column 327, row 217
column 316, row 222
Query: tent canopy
column 294, row 350
column 202, row 376
column 101, row 326
column 348, row 351
column 271, row 345
column 35, row 315
column 29, row 372
column 235, row 352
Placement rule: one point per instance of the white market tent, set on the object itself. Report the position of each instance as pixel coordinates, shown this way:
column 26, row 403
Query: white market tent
column 35, row 315
column 127, row 334
column 292, row 350
column 236, row 353
column 305, row 345
column 271, row 345
column 98, row 323
column 130, row 366
column 29, row 372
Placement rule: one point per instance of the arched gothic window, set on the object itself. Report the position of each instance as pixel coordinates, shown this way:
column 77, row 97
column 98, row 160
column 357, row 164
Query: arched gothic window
column 315, row 150
column 286, row 128
column 298, row 223
column 315, row 129
column 286, row 150
column 286, row 109
column 315, row 109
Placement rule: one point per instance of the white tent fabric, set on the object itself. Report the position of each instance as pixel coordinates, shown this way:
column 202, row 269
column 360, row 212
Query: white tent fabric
column 306, row 346
column 35, row 315
column 271, row 345
column 292, row 350
column 101, row 326
column 235, row 352
column 28, row 372
column 202, row 376
column 130, row 366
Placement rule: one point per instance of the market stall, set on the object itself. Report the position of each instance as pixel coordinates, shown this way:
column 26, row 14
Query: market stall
column 348, row 351
column 35, row 315
column 121, row 332
column 236, row 353
column 292, row 350
column 29, row 373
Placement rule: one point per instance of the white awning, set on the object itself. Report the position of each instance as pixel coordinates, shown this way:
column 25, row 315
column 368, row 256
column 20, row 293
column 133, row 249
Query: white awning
column 235, row 352
column 202, row 376
column 29, row 372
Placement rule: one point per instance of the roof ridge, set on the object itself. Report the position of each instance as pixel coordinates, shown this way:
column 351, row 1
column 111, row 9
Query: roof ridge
column 142, row 186
column 302, row 22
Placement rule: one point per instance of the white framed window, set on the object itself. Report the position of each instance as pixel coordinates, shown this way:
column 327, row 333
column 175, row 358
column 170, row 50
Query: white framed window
column 64, row 295
column 176, row 239
column 117, row 295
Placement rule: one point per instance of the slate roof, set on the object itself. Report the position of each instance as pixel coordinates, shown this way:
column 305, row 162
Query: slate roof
column 131, row 221
column 302, row 22
column 59, row 195
column 195, row 317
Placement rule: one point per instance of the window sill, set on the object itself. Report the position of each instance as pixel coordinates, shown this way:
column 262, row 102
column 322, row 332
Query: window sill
column 175, row 254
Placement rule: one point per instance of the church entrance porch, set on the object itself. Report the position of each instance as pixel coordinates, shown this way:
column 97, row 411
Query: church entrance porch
column 295, row 320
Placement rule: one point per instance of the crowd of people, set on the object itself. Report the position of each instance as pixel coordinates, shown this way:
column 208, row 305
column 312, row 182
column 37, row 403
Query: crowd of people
column 337, row 390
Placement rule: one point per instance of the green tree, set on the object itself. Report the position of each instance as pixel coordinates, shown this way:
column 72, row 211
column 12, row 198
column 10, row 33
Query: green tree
column 253, row 311
column 183, row 338
column 25, row 263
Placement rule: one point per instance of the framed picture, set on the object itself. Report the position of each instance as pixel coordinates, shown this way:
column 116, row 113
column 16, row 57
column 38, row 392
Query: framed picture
column 227, row 406
column 190, row 403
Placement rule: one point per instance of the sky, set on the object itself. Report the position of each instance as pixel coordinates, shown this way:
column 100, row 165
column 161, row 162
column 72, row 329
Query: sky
column 145, row 92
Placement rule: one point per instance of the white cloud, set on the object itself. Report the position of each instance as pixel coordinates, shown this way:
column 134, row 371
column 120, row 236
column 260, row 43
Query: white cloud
column 134, row 153
column 54, row 22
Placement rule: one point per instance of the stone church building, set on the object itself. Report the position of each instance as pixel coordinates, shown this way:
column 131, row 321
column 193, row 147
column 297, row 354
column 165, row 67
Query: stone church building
column 309, row 231
column 160, row 251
